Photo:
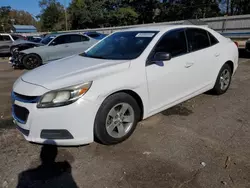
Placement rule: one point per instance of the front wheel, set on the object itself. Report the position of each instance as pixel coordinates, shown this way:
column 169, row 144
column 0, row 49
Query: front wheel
column 116, row 119
column 31, row 61
column 223, row 80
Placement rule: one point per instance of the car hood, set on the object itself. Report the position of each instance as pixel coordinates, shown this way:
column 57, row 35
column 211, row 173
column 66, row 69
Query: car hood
column 73, row 70
column 17, row 42
column 35, row 50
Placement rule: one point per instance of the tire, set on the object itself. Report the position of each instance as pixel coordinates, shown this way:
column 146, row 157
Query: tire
column 222, row 85
column 31, row 61
column 108, row 123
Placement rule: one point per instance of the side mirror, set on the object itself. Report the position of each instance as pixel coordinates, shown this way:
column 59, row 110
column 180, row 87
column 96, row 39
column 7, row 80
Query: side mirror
column 53, row 43
column 162, row 56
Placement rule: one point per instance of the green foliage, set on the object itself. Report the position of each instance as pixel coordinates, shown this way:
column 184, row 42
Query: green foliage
column 10, row 16
column 105, row 13
column 52, row 15
column 4, row 18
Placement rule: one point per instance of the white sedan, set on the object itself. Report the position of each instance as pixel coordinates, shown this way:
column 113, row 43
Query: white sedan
column 130, row 75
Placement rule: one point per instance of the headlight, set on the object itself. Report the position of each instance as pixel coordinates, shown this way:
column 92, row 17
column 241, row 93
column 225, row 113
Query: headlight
column 63, row 96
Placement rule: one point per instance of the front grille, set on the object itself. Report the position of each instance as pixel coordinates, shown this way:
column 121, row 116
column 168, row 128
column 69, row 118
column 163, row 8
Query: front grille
column 24, row 98
column 20, row 113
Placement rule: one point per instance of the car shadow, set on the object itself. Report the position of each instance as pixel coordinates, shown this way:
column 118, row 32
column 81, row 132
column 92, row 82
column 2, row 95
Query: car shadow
column 49, row 174
column 4, row 55
column 177, row 110
column 7, row 124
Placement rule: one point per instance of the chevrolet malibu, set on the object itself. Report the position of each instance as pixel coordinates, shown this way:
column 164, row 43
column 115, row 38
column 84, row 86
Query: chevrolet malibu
column 130, row 75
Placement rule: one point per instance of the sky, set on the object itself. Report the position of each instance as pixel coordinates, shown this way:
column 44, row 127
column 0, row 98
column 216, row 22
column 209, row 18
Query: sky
column 30, row 6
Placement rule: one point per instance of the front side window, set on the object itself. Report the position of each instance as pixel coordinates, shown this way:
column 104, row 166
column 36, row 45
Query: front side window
column 173, row 42
column 75, row 38
column 60, row 40
column 122, row 45
column 197, row 39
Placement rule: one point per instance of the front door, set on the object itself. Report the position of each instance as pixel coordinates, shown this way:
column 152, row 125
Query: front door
column 58, row 48
column 169, row 81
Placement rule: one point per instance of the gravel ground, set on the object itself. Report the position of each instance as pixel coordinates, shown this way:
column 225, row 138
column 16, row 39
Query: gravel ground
column 203, row 142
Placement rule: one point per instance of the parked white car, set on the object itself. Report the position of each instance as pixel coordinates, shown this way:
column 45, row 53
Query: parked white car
column 128, row 76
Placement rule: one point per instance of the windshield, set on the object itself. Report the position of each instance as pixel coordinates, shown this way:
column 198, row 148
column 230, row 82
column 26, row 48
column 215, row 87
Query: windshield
column 122, row 45
column 47, row 39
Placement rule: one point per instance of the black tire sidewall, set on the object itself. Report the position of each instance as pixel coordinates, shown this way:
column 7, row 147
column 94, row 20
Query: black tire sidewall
column 24, row 60
column 100, row 132
column 217, row 88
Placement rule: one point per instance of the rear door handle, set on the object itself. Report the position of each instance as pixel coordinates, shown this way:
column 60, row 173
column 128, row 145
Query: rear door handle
column 189, row 64
column 217, row 54
column 66, row 45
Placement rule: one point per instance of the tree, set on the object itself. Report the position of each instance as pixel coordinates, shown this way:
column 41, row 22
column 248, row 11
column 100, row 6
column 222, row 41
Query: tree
column 21, row 17
column 52, row 15
column 123, row 16
column 5, row 24
column 187, row 9
column 145, row 9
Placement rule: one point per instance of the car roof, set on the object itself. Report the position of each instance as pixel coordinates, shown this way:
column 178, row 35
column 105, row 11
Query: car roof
column 60, row 34
column 162, row 28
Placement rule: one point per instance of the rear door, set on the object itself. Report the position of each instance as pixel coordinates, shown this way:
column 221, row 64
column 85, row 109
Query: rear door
column 202, row 65
column 77, row 44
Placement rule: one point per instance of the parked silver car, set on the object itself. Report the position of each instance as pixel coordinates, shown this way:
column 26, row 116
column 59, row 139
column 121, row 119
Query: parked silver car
column 6, row 41
column 55, row 46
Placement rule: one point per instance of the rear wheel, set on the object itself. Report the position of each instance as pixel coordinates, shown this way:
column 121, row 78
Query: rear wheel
column 223, row 80
column 31, row 61
column 116, row 119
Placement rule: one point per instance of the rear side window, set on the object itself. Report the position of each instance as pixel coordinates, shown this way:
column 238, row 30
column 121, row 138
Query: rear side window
column 213, row 40
column 174, row 42
column 197, row 39
column 74, row 38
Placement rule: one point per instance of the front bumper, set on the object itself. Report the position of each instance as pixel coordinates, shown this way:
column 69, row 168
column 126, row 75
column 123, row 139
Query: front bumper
column 66, row 125
column 16, row 59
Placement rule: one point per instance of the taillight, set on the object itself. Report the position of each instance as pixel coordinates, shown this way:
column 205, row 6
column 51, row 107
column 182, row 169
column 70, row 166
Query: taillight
column 236, row 43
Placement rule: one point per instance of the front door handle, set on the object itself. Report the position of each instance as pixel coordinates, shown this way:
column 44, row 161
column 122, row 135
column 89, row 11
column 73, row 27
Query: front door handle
column 217, row 54
column 66, row 45
column 189, row 64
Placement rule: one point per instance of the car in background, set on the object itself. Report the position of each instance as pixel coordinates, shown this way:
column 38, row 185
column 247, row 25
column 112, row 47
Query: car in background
column 130, row 75
column 36, row 39
column 95, row 35
column 248, row 45
column 53, row 47
column 6, row 41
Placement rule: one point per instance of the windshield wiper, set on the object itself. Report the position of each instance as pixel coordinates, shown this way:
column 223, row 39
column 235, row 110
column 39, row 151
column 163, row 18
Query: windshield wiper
column 92, row 56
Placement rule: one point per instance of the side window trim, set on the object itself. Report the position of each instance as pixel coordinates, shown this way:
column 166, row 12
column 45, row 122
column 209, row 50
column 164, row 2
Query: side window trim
column 49, row 44
column 151, row 52
column 210, row 34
